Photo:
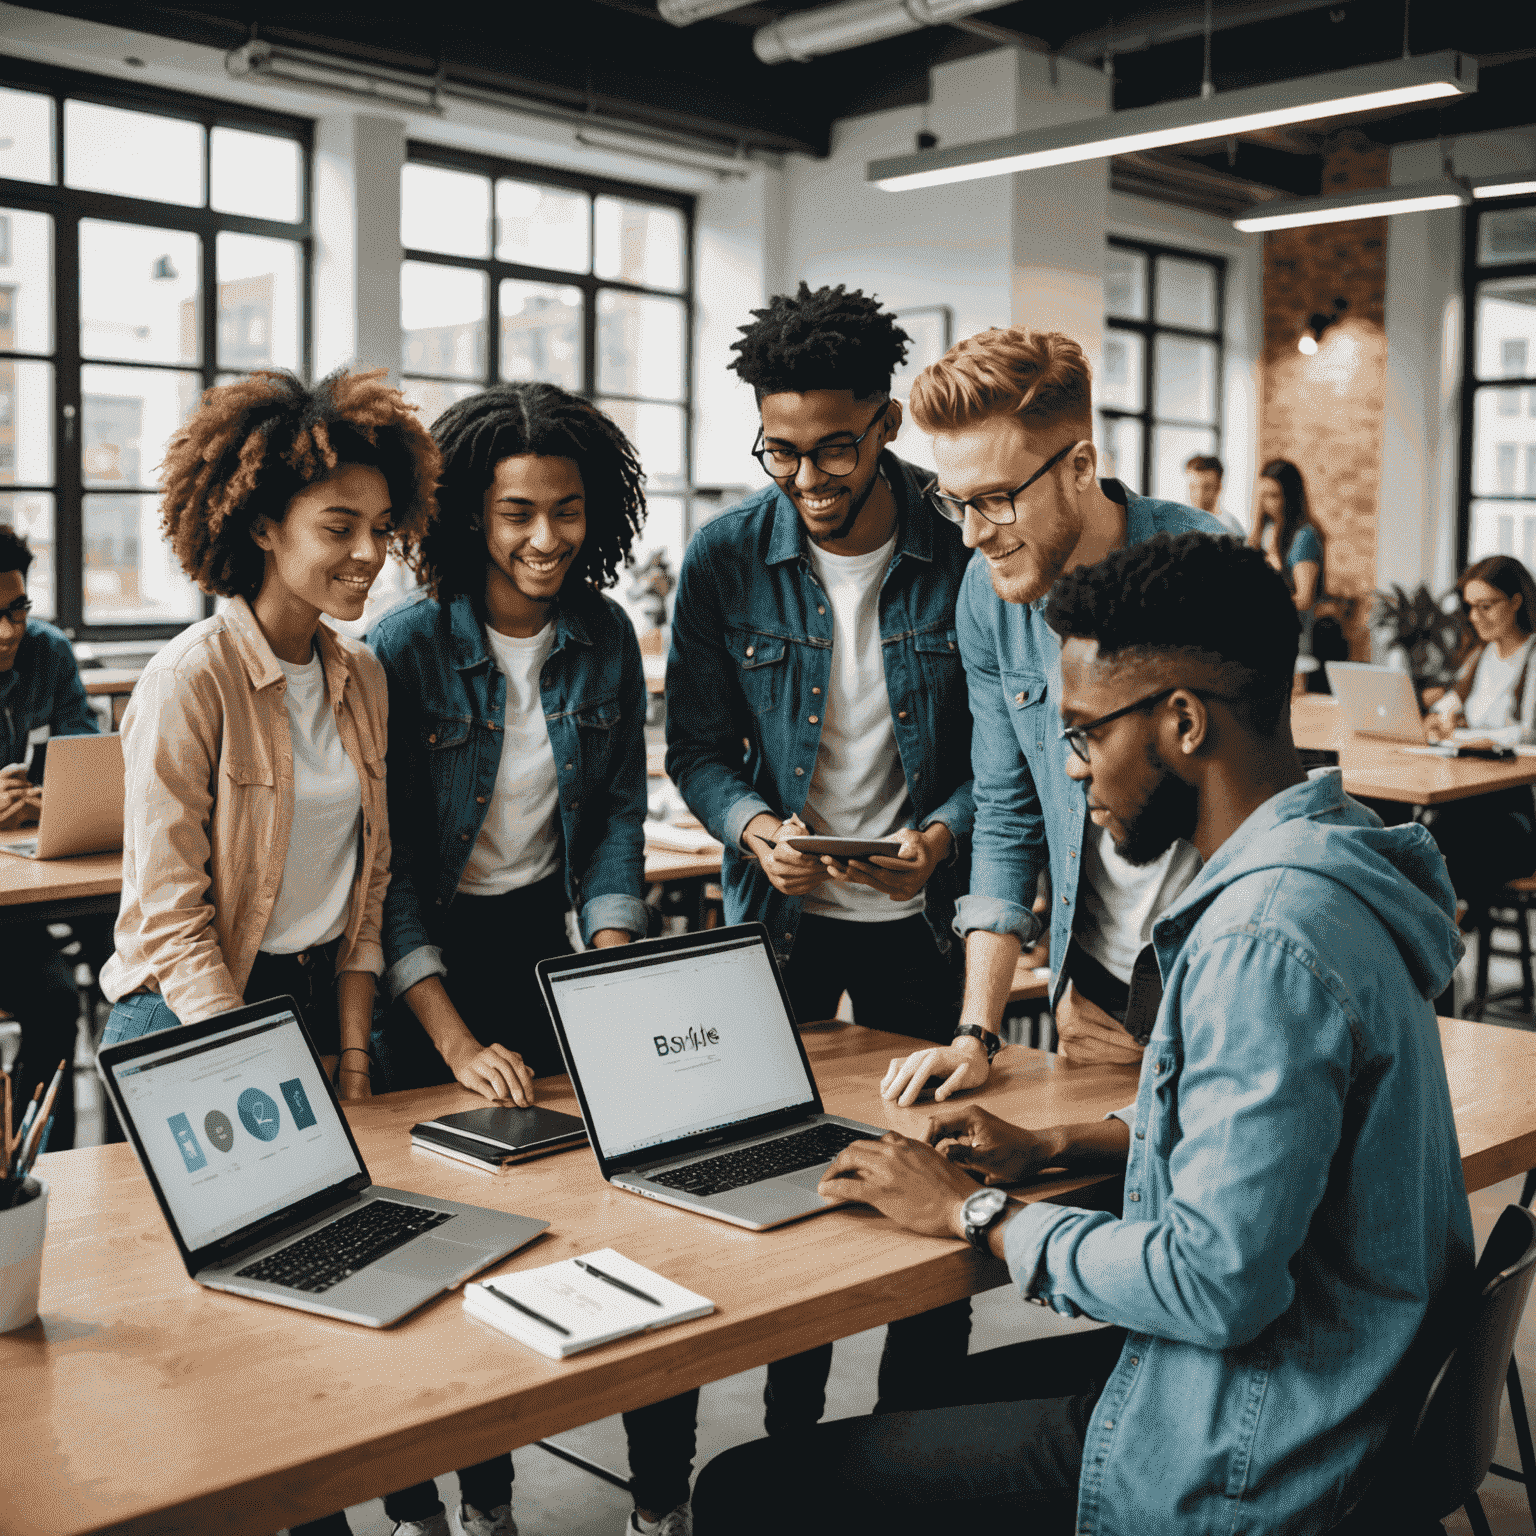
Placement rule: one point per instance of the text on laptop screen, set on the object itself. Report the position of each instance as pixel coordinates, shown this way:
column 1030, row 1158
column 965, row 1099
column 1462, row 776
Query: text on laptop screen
column 236, row 1126
column 679, row 1044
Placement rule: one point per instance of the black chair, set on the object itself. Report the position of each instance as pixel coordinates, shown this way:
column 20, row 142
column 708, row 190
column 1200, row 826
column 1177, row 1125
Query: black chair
column 1509, row 912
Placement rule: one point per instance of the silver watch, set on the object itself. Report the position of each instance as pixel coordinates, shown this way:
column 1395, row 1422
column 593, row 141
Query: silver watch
column 981, row 1212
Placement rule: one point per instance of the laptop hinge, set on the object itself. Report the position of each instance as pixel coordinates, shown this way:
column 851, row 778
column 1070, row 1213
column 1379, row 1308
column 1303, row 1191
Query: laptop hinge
column 279, row 1225
column 780, row 1121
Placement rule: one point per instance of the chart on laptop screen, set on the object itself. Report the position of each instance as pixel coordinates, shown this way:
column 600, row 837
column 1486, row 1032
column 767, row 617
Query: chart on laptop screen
column 236, row 1126
column 680, row 1044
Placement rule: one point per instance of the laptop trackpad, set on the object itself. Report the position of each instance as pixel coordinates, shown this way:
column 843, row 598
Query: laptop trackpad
column 806, row 1178
column 429, row 1258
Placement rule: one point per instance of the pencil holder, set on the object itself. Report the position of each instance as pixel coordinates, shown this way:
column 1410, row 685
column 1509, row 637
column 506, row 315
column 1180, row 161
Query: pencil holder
column 21, row 1254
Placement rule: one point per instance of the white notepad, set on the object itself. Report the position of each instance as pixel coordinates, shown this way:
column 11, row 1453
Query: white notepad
column 562, row 1309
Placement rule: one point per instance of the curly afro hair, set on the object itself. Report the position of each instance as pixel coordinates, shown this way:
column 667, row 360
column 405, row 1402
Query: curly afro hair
column 1198, row 595
column 829, row 339
column 251, row 447
column 476, row 434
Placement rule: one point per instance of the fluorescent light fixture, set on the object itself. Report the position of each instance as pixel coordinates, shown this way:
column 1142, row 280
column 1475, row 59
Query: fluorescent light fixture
column 1369, row 88
column 1511, row 184
column 1366, row 203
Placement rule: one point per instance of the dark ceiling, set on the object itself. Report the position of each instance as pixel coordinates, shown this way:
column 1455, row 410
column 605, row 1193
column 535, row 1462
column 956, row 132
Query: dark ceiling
column 621, row 62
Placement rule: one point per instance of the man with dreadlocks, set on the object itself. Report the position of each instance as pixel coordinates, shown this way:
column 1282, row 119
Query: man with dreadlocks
column 816, row 622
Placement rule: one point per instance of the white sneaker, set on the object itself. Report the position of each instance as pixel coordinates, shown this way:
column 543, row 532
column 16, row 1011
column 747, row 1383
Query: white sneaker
column 677, row 1522
column 433, row 1525
column 498, row 1523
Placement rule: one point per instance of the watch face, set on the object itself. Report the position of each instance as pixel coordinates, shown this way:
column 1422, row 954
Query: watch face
column 981, row 1207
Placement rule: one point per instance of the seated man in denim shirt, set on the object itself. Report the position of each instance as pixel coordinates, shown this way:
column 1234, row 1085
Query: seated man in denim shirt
column 815, row 627
column 39, row 688
column 1295, row 1214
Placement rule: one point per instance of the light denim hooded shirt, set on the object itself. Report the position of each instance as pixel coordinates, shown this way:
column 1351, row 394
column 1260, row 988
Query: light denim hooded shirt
column 1294, row 1202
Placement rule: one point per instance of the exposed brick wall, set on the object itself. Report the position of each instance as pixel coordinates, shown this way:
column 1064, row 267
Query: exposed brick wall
column 1325, row 412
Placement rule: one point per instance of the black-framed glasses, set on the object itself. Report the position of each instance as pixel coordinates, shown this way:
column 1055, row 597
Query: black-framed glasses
column 998, row 507
column 1076, row 736
column 17, row 612
column 830, row 458
column 1487, row 605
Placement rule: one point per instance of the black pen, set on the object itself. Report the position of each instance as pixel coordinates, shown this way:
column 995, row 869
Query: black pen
column 538, row 1317
column 622, row 1285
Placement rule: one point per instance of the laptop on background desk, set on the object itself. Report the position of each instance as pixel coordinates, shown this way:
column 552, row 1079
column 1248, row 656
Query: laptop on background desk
column 258, row 1176
column 1377, row 701
column 82, row 799
column 692, row 1080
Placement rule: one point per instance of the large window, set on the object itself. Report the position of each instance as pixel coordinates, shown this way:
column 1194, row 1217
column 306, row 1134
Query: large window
column 1498, row 442
column 514, row 272
column 1158, row 391
column 151, row 246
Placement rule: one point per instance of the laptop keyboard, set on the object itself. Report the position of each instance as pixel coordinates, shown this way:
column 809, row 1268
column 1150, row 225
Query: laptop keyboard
column 766, row 1160
column 334, row 1253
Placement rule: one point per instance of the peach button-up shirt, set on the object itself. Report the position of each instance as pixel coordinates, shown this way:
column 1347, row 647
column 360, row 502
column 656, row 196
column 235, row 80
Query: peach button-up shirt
column 209, row 776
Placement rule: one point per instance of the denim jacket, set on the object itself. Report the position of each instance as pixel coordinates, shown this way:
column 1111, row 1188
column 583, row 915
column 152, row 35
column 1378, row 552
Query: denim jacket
column 447, row 701
column 751, row 660
column 1295, row 1211
column 1027, row 809
column 43, row 687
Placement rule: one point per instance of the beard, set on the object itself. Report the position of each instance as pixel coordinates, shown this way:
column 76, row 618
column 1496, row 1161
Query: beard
column 1170, row 813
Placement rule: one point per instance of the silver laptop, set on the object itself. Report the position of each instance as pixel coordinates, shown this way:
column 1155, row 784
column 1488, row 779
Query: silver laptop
column 82, row 799
column 1377, row 701
column 264, row 1189
column 692, row 1080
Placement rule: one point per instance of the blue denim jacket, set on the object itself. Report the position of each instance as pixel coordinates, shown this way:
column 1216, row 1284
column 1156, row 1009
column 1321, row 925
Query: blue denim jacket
column 43, row 687
column 752, row 657
column 1294, row 1201
column 1027, row 809
column 447, row 701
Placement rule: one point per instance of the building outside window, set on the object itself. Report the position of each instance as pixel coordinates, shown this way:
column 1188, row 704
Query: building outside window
column 1158, row 390
column 151, row 245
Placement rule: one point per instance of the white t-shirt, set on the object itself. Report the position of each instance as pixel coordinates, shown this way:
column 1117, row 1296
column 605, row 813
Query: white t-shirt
column 321, row 858
column 1491, row 704
column 519, row 843
column 858, row 788
column 1117, row 902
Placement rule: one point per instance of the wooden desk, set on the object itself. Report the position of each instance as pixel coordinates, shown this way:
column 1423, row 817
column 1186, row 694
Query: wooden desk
column 55, row 890
column 666, row 864
column 112, row 681
column 1027, row 987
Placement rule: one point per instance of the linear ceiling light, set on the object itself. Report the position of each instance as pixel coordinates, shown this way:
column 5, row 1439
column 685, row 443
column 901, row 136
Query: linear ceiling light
column 1511, row 184
column 1373, row 86
column 1365, row 203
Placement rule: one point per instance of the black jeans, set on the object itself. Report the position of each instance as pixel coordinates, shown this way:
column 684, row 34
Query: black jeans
column 37, row 986
column 1011, row 1466
column 310, row 980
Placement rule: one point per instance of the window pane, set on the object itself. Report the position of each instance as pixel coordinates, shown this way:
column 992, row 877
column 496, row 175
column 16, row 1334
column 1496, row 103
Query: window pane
column 30, row 513
column 26, row 281
column 26, row 148
column 258, row 302
column 1502, row 528
column 1184, row 381
column 541, row 333
column 639, row 243
column 135, row 154
column 26, row 422
column 432, row 396
column 139, row 293
column 131, row 576
column 657, row 433
column 1121, row 379
column 1506, row 333
column 447, row 211
column 639, row 345
column 127, row 416
column 1186, row 294
column 1125, row 284
column 1502, row 444
column 1172, row 449
column 443, row 316
column 255, row 174
column 543, row 226
column 1506, row 236
column 1120, row 449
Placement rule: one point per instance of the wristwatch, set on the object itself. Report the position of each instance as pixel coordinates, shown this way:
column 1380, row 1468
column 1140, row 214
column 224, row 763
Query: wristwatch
column 990, row 1039
column 981, row 1212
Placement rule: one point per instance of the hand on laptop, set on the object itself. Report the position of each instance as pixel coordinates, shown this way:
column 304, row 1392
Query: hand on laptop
column 990, row 1149
column 1438, row 726
column 1086, row 1035
column 792, row 873
column 903, row 1179
column 19, row 800
column 495, row 1072
column 902, row 877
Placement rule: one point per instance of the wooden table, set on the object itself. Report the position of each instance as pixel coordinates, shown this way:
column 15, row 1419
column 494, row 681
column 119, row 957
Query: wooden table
column 112, row 681
column 140, row 1402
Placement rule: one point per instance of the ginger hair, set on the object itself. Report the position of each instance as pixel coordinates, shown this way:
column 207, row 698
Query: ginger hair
column 1041, row 377
column 252, row 446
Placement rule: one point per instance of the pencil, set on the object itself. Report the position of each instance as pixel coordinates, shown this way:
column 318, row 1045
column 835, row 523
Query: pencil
column 40, row 1125
column 26, row 1123
column 5, row 1145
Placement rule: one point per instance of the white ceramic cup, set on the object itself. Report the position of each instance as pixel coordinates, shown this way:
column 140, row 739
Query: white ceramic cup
column 21, row 1256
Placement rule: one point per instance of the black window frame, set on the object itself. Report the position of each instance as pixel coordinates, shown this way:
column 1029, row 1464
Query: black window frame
column 1151, row 328
column 67, row 207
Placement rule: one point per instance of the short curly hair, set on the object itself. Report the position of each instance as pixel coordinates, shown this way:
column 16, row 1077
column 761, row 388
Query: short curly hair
column 474, row 435
column 252, row 446
column 829, row 339
column 1198, row 595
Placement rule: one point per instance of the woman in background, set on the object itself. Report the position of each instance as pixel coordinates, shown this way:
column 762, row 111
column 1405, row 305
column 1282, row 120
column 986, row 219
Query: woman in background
column 1284, row 530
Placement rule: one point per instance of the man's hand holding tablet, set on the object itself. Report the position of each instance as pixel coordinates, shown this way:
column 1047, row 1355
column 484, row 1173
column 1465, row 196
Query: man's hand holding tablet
column 902, row 875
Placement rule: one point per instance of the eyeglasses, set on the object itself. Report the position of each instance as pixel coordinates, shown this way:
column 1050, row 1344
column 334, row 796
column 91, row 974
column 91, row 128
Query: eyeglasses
column 1076, row 736
column 17, row 613
column 1486, row 606
column 830, row 458
column 1000, row 507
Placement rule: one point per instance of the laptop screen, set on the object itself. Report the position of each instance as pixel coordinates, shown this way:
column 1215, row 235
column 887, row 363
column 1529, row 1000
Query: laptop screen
column 236, row 1125
column 679, row 1043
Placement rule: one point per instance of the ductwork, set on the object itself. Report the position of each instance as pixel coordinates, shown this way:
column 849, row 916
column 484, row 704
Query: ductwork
column 809, row 34
column 683, row 13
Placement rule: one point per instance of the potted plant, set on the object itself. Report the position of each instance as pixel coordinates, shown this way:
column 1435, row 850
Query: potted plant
column 1417, row 624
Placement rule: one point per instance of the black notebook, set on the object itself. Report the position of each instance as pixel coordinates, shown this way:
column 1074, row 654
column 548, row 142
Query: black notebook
column 493, row 1138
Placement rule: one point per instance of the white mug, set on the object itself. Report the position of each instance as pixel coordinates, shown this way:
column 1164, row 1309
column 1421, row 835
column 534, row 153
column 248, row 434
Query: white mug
column 21, row 1256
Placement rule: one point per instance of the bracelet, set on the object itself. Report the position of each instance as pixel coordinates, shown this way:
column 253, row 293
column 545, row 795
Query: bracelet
column 354, row 1071
column 357, row 1048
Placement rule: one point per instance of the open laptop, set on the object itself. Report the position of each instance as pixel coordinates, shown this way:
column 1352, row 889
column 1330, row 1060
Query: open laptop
column 692, row 1080
column 264, row 1189
column 82, row 799
column 1377, row 701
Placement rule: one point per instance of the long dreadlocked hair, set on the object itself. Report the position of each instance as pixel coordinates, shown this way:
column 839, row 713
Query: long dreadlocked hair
column 251, row 447
column 829, row 339
column 502, row 422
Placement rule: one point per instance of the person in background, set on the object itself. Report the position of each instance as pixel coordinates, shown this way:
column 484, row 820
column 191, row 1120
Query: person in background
column 1203, row 475
column 40, row 695
column 517, row 790
column 1292, row 542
